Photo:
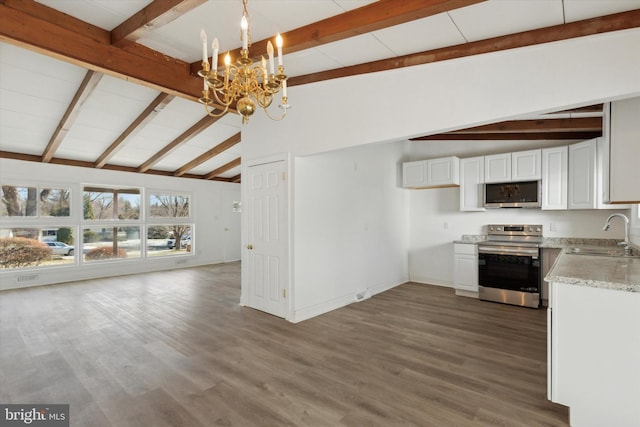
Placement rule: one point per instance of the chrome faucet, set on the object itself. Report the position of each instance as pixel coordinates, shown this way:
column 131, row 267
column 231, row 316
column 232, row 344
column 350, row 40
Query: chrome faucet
column 625, row 243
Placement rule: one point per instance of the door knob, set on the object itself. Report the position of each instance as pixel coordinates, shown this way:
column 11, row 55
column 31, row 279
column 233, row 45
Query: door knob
column 249, row 246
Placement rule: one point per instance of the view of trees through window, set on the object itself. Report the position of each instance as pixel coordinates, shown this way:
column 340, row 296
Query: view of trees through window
column 111, row 226
column 108, row 204
column 173, row 234
column 33, row 201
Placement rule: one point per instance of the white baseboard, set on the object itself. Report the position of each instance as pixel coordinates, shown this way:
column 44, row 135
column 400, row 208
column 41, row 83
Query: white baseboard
column 343, row 301
column 431, row 281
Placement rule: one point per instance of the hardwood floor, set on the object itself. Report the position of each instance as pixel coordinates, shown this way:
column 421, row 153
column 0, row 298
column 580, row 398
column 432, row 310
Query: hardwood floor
column 176, row 349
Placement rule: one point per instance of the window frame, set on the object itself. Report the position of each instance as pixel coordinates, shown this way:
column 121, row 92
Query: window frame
column 116, row 190
column 168, row 221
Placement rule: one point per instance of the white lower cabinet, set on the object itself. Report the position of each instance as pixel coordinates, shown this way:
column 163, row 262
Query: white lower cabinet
column 471, row 183
column 465, row 269
column 593, row 352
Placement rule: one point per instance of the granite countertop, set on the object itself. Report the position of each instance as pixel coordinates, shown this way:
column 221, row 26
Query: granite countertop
column 605, row 272
column 471, row 238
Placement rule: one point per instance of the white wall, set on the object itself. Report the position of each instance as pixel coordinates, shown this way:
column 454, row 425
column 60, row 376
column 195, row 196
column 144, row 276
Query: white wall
column 432, row 98
column 427, row 99
column 217, row 230
column 351, row 227
column 436, row 222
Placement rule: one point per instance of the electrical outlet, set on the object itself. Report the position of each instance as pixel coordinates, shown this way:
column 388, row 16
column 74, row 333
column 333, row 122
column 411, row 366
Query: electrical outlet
column 552, row 227
column 446, row 225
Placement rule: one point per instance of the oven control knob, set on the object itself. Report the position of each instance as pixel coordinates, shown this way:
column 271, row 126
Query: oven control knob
column 538, row 229
column 491, row 228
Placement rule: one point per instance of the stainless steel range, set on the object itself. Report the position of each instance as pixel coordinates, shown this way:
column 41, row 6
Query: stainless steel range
column 509, row 264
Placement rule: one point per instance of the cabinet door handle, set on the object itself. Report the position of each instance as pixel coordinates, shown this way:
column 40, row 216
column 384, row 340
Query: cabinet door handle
column 249, row 246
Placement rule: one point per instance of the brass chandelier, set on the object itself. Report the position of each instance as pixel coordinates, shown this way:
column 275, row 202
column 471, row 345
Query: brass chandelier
column 248, row 84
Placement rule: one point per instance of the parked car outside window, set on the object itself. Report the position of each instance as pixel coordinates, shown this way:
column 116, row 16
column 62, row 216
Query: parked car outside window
column 171, row 243
column 59, row 248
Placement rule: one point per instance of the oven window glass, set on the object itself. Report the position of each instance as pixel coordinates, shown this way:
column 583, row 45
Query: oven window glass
column 513, row 272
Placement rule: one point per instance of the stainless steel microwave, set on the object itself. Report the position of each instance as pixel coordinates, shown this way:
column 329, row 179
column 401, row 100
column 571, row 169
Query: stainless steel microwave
column 524, row 194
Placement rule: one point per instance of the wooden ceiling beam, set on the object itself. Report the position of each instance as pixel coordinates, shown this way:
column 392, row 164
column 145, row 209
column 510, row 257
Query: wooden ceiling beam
column 85, row 164
column 596, row 108
column 141, row 121
column 194, row 130
column 223, row 146
column 89, row 83
column 374, row 16
column 587, row 27
column 224, row 168
column 150, row 18
column 511, row 136
column 37, row 28
column 236, row 178
column 68, row 22
column 579, row 124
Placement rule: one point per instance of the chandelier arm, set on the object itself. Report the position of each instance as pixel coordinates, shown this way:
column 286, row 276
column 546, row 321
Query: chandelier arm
column 211, row 112
column 228, row 98
column 277, row 119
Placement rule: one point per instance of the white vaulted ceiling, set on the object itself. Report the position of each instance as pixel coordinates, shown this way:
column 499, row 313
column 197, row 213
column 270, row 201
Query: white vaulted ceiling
column 37, row 87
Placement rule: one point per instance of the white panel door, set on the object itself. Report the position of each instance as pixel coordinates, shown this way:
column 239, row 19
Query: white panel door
column 266, row 244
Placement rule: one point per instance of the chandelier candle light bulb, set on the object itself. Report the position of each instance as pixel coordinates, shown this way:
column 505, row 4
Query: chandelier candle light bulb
column 244, row 25
column 214, row 57
column 279, row 45
column 272, row 69
column 203, row 39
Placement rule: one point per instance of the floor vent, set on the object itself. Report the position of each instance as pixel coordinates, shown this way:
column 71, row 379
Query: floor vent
column 28, row 277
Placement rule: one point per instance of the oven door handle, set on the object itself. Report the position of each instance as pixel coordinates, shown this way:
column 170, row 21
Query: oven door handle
column 533, row 252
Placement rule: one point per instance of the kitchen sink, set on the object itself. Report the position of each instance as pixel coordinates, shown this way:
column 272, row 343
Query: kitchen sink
column 604, row 251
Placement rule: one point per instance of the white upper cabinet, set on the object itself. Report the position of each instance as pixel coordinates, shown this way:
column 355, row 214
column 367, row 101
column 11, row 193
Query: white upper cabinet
column 582, row 175
column 525, row 165
column 602, row 178
column 414, row 174
column 442, row 172
column 497, row 168
column 471, row 180
column 510, row 167
column 554, row 178
column 622, row 150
